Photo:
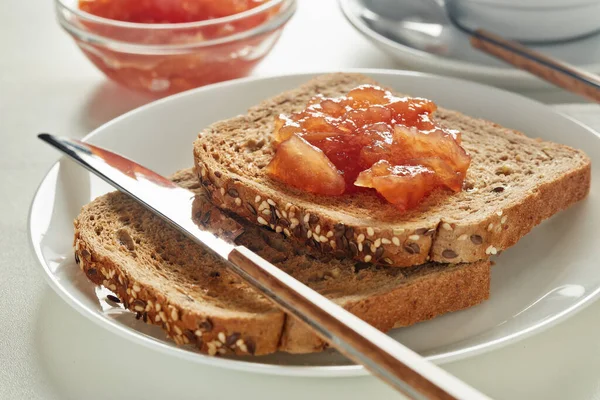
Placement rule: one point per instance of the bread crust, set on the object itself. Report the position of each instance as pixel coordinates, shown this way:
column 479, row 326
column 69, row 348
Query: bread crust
column 104, row 253
column 452, row 289
column 441, row 238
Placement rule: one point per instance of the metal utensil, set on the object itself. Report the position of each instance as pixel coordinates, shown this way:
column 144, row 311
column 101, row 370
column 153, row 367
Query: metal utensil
column 426, row 26
column 554, row 71
column 386, row 358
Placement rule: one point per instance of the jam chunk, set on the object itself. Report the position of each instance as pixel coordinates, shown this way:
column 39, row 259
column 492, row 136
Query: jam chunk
column 402, row 185
column 298, row 163
column 377, row 141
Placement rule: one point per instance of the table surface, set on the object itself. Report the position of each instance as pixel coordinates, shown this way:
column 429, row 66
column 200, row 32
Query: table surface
column 48, row 350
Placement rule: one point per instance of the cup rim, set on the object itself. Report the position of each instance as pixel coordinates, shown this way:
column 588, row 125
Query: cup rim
column 520, row 5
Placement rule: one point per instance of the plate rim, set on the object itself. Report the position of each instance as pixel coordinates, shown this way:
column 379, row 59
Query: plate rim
column 455, row 66
column 285, row 370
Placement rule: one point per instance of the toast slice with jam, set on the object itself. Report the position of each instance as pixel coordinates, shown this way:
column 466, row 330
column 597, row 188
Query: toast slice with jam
column 512, row 184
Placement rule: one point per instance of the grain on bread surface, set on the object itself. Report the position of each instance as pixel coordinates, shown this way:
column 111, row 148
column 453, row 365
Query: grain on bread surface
column 172, row 282
column 514, row 183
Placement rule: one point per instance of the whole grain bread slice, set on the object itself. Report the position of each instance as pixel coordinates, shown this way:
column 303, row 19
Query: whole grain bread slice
column 514, row 183
column 172, row 282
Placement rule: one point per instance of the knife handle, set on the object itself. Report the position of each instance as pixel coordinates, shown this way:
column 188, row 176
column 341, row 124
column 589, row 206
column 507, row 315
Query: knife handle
column 557, row 72
column 403, row 369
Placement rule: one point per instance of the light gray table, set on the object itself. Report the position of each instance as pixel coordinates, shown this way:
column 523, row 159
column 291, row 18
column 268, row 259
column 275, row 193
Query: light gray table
column 49, row 351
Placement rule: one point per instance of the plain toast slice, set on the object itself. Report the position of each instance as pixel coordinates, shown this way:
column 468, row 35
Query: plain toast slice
column 172, row 282
column 514, row 183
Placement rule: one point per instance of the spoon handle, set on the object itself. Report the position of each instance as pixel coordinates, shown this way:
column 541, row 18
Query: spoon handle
column 557, row 72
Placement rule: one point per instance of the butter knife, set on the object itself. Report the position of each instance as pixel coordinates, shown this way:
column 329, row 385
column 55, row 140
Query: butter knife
column 400, row 367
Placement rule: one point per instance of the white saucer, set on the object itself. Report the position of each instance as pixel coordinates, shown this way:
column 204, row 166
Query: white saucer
column 459, row 59
column 548, row 276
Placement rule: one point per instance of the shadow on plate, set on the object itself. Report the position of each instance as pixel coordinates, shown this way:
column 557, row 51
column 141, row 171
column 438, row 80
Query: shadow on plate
column 109, row 101
column 86, row 361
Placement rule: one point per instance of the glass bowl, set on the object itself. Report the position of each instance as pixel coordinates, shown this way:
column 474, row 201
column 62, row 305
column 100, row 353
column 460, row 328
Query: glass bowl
column 169, row 58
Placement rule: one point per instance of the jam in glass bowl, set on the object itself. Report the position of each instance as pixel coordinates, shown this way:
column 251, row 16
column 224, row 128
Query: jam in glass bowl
column 164, row 58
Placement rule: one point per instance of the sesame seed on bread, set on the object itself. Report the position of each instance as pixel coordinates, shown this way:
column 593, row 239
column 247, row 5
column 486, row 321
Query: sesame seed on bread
column 172, row 282
column 514, row 182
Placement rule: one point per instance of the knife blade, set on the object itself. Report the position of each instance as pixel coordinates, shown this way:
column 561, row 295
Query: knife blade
column 386, row 358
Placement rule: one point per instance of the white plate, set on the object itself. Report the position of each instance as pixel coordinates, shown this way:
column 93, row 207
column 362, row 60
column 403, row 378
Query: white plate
column 548, row 276
column 460, row 59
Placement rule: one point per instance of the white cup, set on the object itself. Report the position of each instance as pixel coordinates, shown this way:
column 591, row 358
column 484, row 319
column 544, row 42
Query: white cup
column 528, row 20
